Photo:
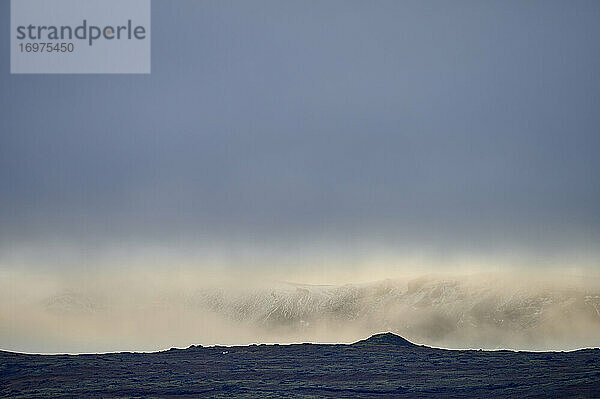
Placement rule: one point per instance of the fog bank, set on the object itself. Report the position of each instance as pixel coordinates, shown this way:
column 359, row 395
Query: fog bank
column 147, row 311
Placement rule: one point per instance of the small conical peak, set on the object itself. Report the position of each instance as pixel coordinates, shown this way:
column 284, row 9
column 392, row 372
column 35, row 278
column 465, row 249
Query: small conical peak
column 387, row 338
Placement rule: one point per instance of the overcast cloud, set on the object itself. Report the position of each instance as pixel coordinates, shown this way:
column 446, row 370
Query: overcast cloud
column 468, row 125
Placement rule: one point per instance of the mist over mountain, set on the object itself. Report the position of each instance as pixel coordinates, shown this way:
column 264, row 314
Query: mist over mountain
column 436, row 311
column 454, row 311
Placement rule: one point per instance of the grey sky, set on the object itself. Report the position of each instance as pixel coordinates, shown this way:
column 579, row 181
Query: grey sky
column 426, row 123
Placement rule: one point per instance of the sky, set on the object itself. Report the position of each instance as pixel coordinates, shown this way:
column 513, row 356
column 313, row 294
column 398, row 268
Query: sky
column 315, row 127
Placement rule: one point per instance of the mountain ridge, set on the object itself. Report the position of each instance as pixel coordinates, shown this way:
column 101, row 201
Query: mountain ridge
column 383, row 364
column 386, row 338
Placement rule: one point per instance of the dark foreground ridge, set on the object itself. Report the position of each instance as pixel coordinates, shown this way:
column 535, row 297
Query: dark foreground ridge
column 382, row 366
column 386, row 339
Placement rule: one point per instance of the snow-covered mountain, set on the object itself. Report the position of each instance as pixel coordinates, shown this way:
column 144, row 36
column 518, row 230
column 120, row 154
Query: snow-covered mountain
column 465, row 312
column 429, row 310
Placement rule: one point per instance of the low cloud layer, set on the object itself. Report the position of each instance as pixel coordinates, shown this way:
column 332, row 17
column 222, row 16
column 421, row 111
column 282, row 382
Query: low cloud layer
column 159, row 310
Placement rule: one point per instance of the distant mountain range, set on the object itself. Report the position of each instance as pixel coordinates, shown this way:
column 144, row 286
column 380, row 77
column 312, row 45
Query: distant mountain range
column 448, row 312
